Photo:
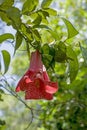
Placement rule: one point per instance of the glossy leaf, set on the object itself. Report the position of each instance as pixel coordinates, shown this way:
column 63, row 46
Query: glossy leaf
column 37, row 21
column 51, row 11
column 36, row 35
column 41, row 26
column 60, row 52
column 44, row 16
column 26, row 32
column 70, row 28
column 54, row 34
column 46, row 3
column 18, row 40
column 43, row 13
column 34, row 15
column 6, row 60
column 47, row 55
column 29, row 6
column 6, row 36
column 6, row 4
column 14, row 14
column 5, row 18
column 73, row 63
column 47, row 60
column 45, row 49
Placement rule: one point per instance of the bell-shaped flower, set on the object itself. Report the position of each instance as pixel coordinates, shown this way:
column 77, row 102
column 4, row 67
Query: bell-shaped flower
column 36, row 82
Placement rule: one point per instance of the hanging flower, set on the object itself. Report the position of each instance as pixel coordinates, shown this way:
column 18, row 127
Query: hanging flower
column 36, row 82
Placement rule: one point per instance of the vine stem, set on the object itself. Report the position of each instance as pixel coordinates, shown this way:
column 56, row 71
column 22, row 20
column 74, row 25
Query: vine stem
column 13, row 93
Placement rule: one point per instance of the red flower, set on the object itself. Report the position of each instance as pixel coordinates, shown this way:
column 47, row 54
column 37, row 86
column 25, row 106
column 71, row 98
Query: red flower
column 36, row 82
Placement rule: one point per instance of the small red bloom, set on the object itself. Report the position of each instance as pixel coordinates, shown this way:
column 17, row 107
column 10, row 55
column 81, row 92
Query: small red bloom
column 36, row 82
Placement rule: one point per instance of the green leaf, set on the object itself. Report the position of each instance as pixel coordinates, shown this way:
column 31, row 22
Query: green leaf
column 18, row 40
column 6, row 4
column 36, row 35
column 46, row 3
column 53, row 33
column 37, row 21
column 51, row 11
column 41, row 26
column 14, row 14
column 70, row 28
column 60, row 52
column 36, row 45
column 29, row 6
column 44, row 16
column 47, row 55
column 5, row 18
column 45, row 49
column 6, row 36
column 47, row 60
column 11, row 16
column 26, row 31
column 43, row 13
column 6, row 60
column 73, row 63
column 33, row 15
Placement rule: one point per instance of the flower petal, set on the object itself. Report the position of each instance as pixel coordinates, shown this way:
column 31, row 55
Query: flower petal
column 36, row 62
column 51, row 87
column 45, row 75
column 36, row 90
column 21, row 86
column 17, row 88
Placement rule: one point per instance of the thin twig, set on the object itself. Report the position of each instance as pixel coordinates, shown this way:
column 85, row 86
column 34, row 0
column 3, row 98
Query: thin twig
column 18, row 97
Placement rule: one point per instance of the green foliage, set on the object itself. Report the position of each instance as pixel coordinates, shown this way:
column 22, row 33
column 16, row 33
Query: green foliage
column 60, row 52
column 70, row 28
column 3, row 8
column 48, row 56
column 6, row 60
column 38, row 20
column 73, row 63
column 4, row 17
column 46, row 3
column 5, row 36
column 6, row 5
column 29, row 6
column 18, row 40
column 14, row 15
column 51, row 11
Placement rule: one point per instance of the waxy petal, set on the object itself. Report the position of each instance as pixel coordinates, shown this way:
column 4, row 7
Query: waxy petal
column 28, row 77
column 36, row 62
column 51, row 87
column 36, row 90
